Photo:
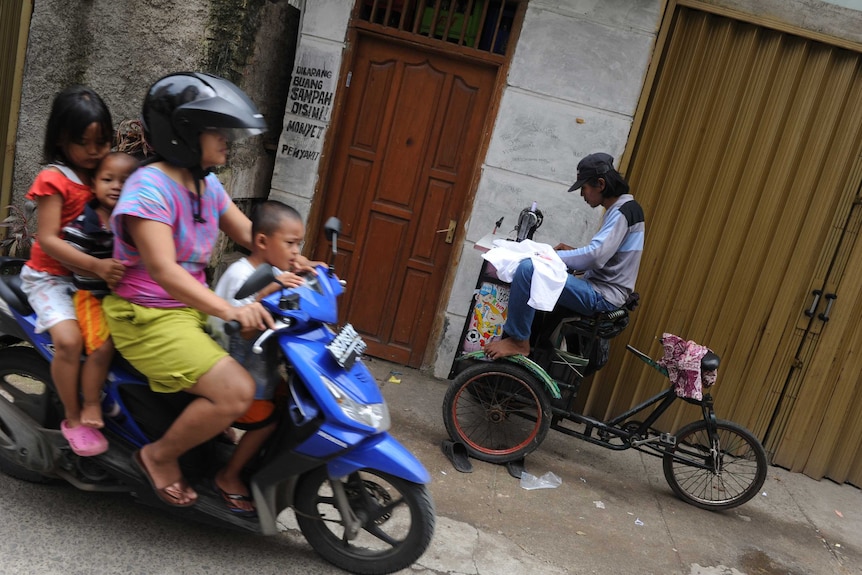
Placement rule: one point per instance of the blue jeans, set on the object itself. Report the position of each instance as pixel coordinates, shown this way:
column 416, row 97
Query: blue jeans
column 578, row 295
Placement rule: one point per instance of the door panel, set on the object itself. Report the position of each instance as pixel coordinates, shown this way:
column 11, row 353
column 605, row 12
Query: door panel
column 822, row 436
column 402, row 166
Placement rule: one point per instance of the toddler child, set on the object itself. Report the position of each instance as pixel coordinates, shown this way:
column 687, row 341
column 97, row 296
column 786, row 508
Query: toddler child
column 90, row 233
column 277, row 232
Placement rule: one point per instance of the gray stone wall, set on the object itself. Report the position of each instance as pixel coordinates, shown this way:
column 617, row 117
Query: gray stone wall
column 837, row 18
column 116, row 48
column 119, row 47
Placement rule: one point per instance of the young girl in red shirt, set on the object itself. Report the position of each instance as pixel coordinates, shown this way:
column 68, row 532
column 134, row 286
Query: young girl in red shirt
column 78, row 136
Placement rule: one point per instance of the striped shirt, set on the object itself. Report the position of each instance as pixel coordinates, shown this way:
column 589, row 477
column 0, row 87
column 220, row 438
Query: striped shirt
column 613, row 256
column 88, row 235
column 151, row 195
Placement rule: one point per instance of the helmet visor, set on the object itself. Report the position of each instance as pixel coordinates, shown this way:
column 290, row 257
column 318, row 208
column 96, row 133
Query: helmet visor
column 236, row 134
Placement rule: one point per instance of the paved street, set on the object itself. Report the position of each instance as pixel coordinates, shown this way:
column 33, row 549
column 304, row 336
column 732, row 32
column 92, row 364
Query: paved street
column 613, row 514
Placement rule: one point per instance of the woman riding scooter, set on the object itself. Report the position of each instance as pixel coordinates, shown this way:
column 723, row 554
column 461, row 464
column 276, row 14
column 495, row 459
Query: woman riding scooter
column 166, row 224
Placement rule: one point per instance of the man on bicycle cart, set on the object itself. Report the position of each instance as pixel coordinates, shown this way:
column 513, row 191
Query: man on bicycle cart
column 610, row 261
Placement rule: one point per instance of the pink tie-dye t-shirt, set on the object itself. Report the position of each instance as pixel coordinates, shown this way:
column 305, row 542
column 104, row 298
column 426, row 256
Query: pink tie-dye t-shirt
column 152, row 195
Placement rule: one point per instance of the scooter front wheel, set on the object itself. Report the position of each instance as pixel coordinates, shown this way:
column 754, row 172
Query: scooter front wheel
column 498, row 410
column 396, row 516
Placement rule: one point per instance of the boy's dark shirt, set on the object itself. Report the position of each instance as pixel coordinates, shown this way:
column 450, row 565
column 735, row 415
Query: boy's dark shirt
column 87, row 234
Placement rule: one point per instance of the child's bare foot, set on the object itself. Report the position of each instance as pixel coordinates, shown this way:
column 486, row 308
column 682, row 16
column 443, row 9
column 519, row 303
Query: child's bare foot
column 91, row 415
column 235, row 494
column 507, row 347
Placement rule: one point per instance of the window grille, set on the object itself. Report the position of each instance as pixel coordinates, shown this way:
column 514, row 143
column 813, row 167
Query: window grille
column 477, row 24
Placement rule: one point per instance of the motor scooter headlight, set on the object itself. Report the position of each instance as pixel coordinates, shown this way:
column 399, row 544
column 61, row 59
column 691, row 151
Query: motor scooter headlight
column 374, row 415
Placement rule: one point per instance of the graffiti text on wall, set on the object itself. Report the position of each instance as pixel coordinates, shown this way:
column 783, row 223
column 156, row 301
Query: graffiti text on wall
column 304, row 129
column 298, row 153
column 310, row 93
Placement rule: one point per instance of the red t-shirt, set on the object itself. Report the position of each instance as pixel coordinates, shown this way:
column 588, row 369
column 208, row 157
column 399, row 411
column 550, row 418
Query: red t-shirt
column 75, row 197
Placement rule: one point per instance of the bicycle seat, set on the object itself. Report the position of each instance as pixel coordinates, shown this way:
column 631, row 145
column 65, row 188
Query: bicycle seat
column 709, row 362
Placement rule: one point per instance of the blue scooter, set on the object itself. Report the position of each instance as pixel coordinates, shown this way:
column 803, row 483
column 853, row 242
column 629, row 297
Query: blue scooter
column 359, row 497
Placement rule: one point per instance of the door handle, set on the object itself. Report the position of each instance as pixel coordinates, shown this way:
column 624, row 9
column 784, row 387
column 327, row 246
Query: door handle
column 830, row 299
column 450, row 231
column 810, row 311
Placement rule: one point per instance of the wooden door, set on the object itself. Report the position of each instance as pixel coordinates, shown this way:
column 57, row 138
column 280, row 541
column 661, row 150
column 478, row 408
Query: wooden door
column 403, row 164
column 745, row 164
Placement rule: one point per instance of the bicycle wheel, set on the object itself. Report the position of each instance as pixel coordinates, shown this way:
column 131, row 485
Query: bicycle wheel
column 498, row 410
column 715, row 476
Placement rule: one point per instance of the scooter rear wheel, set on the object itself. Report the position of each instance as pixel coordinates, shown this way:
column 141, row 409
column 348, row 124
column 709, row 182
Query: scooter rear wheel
column 25, row 385
column 397, row 520
column 498, row 410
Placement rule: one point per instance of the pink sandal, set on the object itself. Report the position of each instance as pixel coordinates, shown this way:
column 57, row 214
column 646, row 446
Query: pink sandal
column 84, row 441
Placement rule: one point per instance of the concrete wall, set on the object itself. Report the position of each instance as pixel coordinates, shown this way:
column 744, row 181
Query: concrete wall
column 308, row 113
column 119, row 47
column 837, row 18
column 95, row 43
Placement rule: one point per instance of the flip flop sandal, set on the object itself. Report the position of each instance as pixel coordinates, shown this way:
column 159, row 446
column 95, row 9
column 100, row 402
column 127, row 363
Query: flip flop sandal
column 231, row 500
column 456, row 452
column 515, row 468
column 84, row 441
column 169, row 494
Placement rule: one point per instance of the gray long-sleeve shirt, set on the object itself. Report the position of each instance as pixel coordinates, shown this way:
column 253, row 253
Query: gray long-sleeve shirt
column 613, row 256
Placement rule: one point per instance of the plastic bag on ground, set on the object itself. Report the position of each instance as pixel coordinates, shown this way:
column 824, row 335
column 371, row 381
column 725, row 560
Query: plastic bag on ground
column 547, row 481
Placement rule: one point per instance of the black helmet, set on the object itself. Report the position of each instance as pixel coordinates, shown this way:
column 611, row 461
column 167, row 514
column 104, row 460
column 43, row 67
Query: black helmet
column 180, row 106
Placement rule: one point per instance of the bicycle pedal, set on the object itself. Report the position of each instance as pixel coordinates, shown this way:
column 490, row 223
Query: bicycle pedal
column 668, row 439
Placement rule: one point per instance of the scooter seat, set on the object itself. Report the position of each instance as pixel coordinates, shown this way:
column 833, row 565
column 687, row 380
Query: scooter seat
column 10, row 285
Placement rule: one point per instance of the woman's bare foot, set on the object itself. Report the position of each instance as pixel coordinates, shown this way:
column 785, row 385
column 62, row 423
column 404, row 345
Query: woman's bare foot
column 91, row 415
column 167, row 479
column 507, row 347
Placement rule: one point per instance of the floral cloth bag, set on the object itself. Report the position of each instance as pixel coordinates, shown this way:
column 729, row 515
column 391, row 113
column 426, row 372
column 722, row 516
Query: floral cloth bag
column 682, row 361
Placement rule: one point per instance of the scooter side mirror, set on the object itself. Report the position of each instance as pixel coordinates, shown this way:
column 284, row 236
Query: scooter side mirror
column 259, row 279
column 332, row 228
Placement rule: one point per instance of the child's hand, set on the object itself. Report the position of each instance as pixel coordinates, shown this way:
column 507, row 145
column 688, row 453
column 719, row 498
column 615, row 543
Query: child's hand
column 290, row 280
column 110, row 270
column 303, row 265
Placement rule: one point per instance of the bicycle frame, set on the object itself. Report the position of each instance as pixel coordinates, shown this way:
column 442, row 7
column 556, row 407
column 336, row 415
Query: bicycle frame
column 501, row 410
column 640, row 437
